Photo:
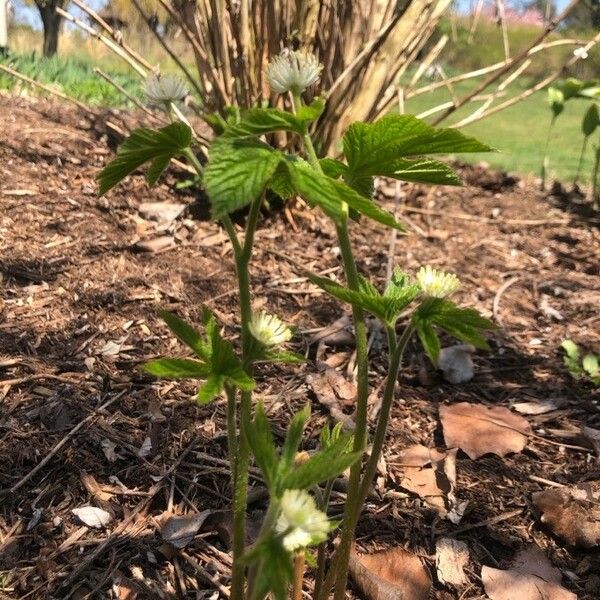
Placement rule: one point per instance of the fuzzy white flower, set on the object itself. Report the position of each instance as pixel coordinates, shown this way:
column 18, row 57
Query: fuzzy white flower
column 437, row 283
column 580, row 53
column 165, row 88
column 293, row 71
column 269, row 329
column 301, row 522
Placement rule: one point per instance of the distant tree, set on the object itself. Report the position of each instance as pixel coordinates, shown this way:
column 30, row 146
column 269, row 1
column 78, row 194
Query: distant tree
column 586, row 15
column 51, row 22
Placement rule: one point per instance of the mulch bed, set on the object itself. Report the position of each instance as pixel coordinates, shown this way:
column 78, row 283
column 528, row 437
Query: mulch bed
column 80, row 424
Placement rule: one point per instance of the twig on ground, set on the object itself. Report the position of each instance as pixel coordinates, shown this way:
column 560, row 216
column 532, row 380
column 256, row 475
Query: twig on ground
column 62, row 442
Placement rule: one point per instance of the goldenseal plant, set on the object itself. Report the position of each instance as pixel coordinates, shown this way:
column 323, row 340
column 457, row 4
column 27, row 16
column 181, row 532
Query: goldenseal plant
column 242, row 167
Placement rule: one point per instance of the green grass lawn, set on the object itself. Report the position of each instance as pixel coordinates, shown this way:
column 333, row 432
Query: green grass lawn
column 520, row 134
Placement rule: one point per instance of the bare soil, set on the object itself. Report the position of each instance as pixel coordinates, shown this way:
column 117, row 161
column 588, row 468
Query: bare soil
column 81, row 425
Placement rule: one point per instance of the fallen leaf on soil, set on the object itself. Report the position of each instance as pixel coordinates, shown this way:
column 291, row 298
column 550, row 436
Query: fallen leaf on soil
column 395, row 574
column 539, row 407
column 109, row 447
column 532, row 577
column 573, row 514
column 430, row 474
column 451, row 557
column 456, row 363
column 335, row 392
column 339, row 333
column 180, row 531
column 155, row 244
column 164, row 212
column 479, row 430
column 92, row 516
column 532, row 560
column 146, row 448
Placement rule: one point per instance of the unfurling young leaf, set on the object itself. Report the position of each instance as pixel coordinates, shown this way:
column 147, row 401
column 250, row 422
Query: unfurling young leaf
column 325, row 465
column 144, row 145
column 466, row 324
column 259, row 121
column 219, row 365
column 262, row 444
column 387, row 307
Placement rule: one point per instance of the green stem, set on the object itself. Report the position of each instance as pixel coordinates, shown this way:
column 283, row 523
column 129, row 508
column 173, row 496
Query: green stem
column 352, row 507
column 386, row 408
column 189, row 154
column 338, row 571
column 243, row 254
column 321, row 555
column 580, row 162
column 595, row 180
column 339, row 568
column 545, row 159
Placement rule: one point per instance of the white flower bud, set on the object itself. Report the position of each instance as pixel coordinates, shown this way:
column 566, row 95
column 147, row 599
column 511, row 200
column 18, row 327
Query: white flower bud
column 301, row 522
column 437, row 284
column 269, row 329
column 293, row 71
column 580, row 53
column 165, row 88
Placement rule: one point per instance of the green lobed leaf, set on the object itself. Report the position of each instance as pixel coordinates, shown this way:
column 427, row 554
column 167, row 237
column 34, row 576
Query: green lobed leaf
column 590, row 365
column 143, row 145
column 262, row 444
column 591, row 120
column 282, row 356
column 373, row 303
column 331, row 195
column 274, row 572
column 186, row 334
column 326, row 464
column 293, row 439
column 177, row 368
column 556, row 100
column 238, row 172
column 429, row 339
column 466, row 324
column 373, row 149
column 259, row 121
column 210, row 389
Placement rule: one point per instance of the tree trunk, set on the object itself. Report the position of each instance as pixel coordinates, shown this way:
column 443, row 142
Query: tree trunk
column 51, row 21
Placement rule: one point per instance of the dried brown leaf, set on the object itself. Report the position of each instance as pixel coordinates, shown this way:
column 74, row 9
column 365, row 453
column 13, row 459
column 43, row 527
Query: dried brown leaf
column 180, row 531
column 479, row 430
column 512, row 584
column 335, row 392
column 431, row 474
column 395, row 574
column 572, row 514
column 451, row 557
column 533, row 561
column 539, row 407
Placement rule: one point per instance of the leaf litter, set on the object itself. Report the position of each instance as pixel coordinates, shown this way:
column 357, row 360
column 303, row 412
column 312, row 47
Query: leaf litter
column 531, row 577
column 477, row 429
column 573, row 514
column 394, row 574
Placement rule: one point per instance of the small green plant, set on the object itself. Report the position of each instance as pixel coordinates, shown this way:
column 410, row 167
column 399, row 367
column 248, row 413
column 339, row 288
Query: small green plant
column 241, row 168
column 557, row 97
column 586, row 367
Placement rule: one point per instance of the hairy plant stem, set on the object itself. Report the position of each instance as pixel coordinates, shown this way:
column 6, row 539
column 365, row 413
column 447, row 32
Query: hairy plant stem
column 242, row 254
column 339, row 569
column 299, row 568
